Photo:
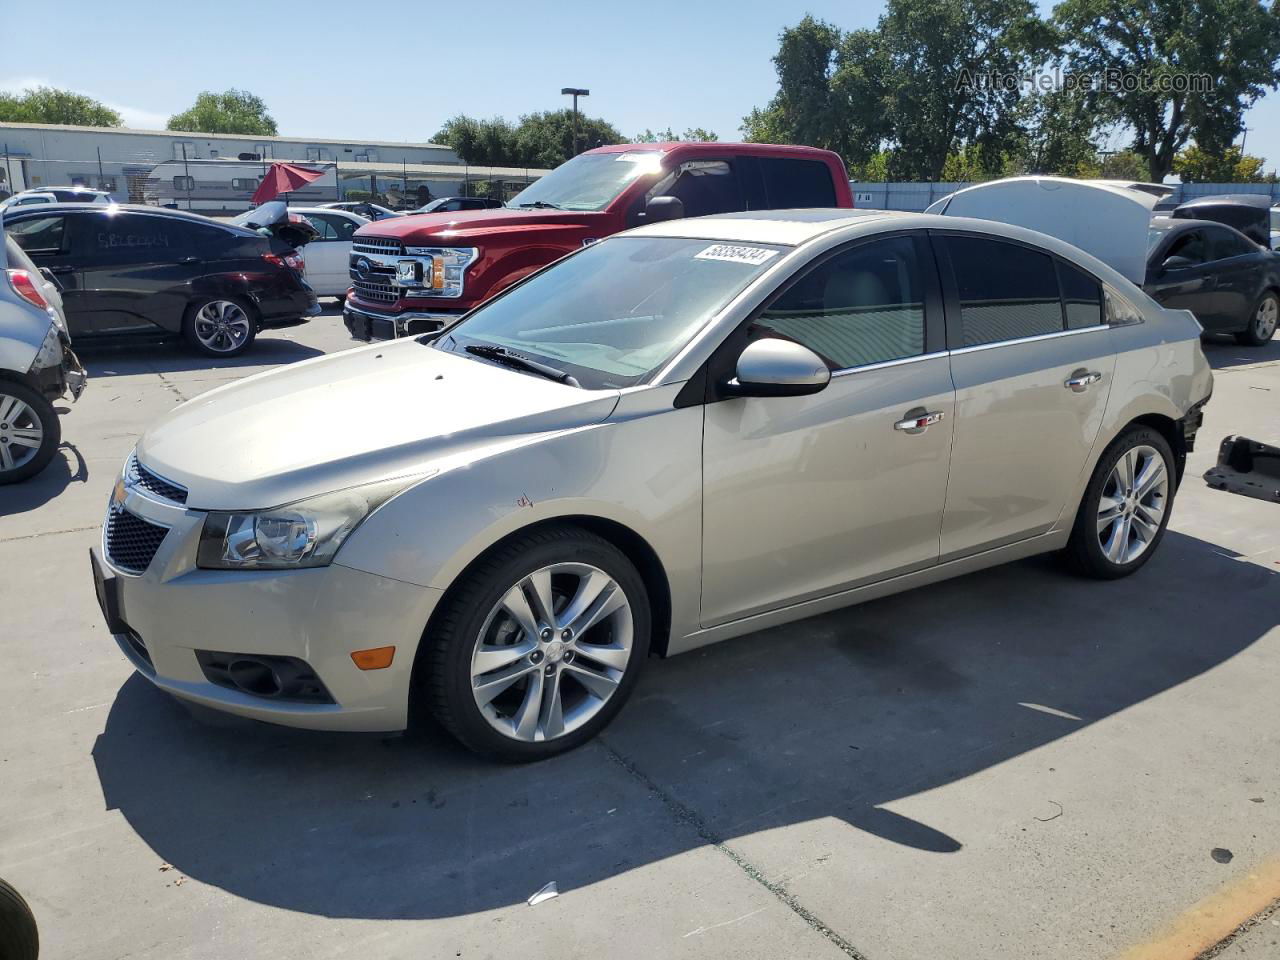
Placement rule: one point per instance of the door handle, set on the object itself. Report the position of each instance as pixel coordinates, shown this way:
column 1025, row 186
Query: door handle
column 919, row 420
column 1081, row 380
column 189, row 260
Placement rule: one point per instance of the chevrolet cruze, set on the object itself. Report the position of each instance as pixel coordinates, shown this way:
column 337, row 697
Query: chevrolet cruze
column 683, row 433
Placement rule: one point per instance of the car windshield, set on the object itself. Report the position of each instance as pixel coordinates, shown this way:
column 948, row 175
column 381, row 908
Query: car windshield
column 590, row 181
column 615, row 312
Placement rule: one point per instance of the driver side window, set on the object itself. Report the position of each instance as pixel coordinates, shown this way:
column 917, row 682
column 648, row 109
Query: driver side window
column 704, row 187
column 863, row 306
column 1190, row 246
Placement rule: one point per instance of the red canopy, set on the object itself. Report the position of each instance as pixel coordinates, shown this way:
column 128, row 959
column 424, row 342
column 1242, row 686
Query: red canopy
column 283, row 178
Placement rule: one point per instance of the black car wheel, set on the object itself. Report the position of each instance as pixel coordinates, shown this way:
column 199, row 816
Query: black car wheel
column 19, row 939
column 220, row 326
column 1262, row 324
column 29, row 432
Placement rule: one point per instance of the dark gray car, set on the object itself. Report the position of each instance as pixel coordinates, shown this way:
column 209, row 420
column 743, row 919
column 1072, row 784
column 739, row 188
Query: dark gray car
column 1229, row 282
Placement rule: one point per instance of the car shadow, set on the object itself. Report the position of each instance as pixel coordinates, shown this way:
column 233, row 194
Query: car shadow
column 66, row 467
column 106, row 359
column 835, row 716
column 1223, row 352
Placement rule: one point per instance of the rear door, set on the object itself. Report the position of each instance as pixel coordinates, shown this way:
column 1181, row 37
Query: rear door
column 1237, row 265
column 327, row 256
column 47, row 240
column 1032, row 363
column 806, row 496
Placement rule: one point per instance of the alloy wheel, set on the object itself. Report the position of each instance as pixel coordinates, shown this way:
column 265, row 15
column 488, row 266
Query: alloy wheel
column 552, row 652
column 1264, row 321
column 21, row 433
column 222, row 325
column 1132, row 505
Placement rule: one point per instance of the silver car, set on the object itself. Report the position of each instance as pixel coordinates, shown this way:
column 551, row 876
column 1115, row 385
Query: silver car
column 37, row 365
column 684, row 433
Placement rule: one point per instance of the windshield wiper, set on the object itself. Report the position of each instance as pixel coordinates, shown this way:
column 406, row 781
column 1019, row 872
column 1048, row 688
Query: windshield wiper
column 502, row 355
column 539, row 205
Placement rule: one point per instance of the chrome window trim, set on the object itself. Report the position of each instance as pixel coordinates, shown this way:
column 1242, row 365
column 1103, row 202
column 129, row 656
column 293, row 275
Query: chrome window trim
column 1035, row 339
column 883, row 364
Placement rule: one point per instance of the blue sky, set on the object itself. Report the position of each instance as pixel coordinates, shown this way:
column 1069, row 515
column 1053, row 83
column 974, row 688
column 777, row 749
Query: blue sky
column 395, row 72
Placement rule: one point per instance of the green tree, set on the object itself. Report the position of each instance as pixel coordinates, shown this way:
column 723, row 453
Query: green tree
column 1059, row 134
column 1163, row 45
column 537, row 140
column 235, row 111
column 48, row 105
column 1196, row 165
column 690, row 135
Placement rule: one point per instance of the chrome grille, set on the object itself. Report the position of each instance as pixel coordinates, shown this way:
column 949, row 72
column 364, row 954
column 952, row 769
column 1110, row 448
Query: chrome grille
column 375, row 292
column 132, row 542
column 383, row 245
column 139, row 476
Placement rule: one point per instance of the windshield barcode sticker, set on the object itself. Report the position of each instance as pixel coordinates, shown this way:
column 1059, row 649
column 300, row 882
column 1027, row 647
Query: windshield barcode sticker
column 736, row 253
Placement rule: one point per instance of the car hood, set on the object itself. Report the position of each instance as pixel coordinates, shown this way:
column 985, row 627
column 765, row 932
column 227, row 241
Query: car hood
column 466, row 224
column 354, row 417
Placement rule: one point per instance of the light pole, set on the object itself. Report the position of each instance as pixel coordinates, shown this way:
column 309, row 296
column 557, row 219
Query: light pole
column 575, row 92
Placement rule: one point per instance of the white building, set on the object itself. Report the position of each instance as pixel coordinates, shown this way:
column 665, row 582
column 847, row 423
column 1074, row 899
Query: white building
column 121, row 160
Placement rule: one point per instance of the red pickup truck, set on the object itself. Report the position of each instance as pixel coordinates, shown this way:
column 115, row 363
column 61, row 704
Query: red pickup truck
column 414, row 274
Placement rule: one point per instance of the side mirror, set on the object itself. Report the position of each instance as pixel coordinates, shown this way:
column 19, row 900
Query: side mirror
column 1177, row 263
column 778, row 368
column 663, row 208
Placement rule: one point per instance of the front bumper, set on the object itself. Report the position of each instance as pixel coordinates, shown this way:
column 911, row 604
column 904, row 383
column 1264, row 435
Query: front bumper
column 319, row 616
column 367, row 325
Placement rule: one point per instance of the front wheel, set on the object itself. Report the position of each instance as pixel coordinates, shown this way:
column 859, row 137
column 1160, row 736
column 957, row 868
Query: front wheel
column 537, row 649
column 29, row 432
column 1126, row 507
column 220, row 327
column 1262, row 325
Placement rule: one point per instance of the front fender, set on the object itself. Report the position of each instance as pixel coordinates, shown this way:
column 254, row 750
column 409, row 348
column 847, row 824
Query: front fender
column 640, row 469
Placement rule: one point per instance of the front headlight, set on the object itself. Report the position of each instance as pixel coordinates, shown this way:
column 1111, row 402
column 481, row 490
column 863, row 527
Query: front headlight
column 303, row 534
column 444, row 270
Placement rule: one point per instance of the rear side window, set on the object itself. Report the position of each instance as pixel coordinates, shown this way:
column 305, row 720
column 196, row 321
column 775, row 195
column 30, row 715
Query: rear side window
column 797, row 183
column 1081, row 297
column 40, row 234
column 860, row 307
column 1190, row 246
column 1007, row 291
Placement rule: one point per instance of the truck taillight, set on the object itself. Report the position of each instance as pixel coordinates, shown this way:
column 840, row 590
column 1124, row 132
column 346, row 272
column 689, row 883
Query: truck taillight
column 24, row 285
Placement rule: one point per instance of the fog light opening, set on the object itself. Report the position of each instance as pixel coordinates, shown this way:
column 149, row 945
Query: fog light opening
column 255, row 677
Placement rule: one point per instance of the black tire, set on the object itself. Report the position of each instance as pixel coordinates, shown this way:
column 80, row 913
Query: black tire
column 19, row 939
column 1084, row 551
column 37, row 409
column 1253, row 335
column 444, row 681
column 237, row 346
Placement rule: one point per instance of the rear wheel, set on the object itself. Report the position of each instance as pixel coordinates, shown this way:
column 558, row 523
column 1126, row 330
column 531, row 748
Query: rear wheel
column 220, row 326
column 29, row 432
column 538, row 648
column 1262, row 325
column 19, row 939
column 1126, row 507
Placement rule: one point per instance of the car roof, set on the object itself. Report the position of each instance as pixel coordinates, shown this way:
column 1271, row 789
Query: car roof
column 71, row 206
column 787, row 227
column 717, row 148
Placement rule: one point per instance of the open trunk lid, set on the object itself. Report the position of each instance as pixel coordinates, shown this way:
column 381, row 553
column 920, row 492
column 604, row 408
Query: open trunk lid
column 273, row 219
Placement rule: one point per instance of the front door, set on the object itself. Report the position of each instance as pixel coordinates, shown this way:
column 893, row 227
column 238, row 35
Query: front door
column 806, row 496
column 1032, row 363
column 1190, row 282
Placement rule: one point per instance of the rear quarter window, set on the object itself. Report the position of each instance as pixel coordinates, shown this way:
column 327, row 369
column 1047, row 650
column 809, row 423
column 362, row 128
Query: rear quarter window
column 797, row 183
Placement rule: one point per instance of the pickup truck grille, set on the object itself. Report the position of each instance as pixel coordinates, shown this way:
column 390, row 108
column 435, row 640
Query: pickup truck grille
column 375, row 292
column 383, row 245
